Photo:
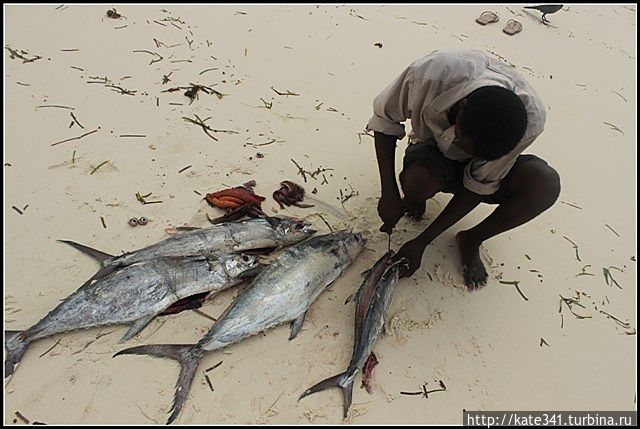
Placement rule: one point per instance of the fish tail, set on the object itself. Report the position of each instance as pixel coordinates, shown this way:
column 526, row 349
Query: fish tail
column 15, row 345
column 342, row 381
column 187, row 355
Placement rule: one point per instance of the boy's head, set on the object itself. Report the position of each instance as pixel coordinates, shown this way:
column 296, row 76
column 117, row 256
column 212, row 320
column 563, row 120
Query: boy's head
column 491, row 122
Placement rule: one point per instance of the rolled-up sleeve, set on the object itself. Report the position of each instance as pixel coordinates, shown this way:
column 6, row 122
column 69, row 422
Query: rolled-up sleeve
column 485, row 177
column 391, row 107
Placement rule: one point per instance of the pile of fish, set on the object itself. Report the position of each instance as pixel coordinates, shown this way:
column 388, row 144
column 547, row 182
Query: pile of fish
column 182, row 271
column 135, row 287
column 281, row 293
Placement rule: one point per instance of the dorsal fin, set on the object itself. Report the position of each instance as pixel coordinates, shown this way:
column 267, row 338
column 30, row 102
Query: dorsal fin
column 95, row 254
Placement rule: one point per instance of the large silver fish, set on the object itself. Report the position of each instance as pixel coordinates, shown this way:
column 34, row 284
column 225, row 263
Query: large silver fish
column 134, row 294
column 258, row 233
column 282, row 292
column 372, row 303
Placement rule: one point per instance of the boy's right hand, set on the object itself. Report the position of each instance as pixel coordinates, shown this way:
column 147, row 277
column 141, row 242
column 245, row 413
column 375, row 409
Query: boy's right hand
column 390, row 210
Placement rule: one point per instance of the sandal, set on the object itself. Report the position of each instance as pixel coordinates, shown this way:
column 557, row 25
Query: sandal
column 487, row 18
column 513, row 27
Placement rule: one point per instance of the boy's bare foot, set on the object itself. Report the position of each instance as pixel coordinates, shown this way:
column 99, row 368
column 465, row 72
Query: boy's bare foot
column 473, row 270
column 415, row 210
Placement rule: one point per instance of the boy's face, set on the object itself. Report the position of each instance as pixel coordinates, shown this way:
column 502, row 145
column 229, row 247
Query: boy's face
column 465, row 143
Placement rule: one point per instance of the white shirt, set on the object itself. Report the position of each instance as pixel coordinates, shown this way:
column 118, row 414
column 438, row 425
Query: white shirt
column 429, row 87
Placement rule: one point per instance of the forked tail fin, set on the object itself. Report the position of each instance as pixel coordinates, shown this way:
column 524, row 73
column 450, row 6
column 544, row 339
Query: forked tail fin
column 341, row 381
column 187, row 355
column 15, row 346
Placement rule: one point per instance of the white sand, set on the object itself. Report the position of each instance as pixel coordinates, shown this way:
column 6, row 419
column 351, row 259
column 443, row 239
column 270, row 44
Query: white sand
column 484, row 346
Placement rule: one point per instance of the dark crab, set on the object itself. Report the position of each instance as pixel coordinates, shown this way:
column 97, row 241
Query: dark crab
column 290, row 194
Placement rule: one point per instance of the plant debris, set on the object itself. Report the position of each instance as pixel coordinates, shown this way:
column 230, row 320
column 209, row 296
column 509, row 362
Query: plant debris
column 570, row 302
column 206, row 128
column 515, row 283
column 15, row 54
column 612, row 230
column 424, row 392
column 542, row 341
column 141, row 198
column 96, row 169
column 17, row 209
column 184, row 169
column 608, row 276
column 157, row 56
column 283, row 93
column 575, row 246
column 572, row 205
column 613, row 127
column 584, row 271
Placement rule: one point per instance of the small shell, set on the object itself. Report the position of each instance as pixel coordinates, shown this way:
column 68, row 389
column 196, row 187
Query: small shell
column 133, row 221
column 143, row 220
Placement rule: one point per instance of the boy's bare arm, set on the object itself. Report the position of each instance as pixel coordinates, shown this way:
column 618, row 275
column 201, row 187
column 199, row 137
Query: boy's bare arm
column 390, row 207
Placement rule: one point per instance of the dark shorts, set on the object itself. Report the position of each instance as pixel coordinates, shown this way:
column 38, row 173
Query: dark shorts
column 453, row 170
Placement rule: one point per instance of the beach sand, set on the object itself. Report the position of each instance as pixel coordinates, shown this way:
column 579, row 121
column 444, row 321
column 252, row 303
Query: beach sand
column 486, row 346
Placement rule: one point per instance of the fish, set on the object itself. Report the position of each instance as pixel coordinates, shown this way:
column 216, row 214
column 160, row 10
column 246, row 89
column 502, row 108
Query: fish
column 282, row 292
column 134, row 294
column 372, row 304
column 251, row 234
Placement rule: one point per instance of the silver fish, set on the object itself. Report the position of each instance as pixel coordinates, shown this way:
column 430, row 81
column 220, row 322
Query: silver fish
column 282, row 292
column 372, row 304
column 133, row 294
column 258, row 233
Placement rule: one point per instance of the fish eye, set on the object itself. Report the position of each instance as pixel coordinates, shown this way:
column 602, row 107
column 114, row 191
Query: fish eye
column 133, row 221
column 299, row 225
column 143, row 220
column 245, row 258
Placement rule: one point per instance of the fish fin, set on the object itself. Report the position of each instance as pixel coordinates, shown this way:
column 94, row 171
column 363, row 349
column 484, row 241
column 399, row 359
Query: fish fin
column 15, row 346
column 341, row 381
column 136, row 327
column 250, row 273
column 296, row 325
column 187, row 355
column 94, row 253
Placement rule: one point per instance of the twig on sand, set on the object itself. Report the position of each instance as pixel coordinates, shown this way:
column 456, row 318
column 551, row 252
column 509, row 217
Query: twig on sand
column 542, row 341
column 608, row 276
column 21, row 417
column 613, row 127
column 575, row 246
column 158, row 56
column 612, row 230
column 76, row 120
column 572, row 205
column 213, row 367
column 51, row 348
column 17, row 209
column 625, row 325
column 515, row 283
column 203, row 314
column 103, row 222
column 76, row 138
column 100, row 165
column 55, row 105
column 283, row 93
column 15, row 54
column 184, row 169
column 424, row 392
column 206, row 377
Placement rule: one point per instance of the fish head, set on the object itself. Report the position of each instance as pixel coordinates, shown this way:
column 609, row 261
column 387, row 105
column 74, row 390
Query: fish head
column 240, row 266
column 291, row 230
column 352, row 243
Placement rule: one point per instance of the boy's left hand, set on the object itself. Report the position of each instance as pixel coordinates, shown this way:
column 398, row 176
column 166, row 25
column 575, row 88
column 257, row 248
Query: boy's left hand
column 413, row 251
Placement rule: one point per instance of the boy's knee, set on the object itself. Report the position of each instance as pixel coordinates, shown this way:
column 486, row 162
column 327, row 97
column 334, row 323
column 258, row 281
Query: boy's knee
column 420, row 181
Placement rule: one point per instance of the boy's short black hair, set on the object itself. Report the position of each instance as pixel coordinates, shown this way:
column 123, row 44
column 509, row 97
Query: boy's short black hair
column 495, row 119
